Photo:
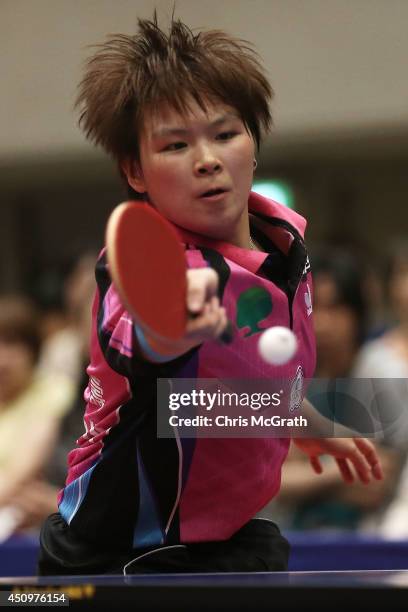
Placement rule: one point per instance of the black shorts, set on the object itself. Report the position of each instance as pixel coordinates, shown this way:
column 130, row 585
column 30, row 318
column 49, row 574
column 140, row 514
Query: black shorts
column 257, row 547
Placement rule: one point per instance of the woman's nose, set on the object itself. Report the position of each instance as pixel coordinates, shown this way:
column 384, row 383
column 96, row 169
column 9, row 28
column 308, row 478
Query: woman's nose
column 207, row 164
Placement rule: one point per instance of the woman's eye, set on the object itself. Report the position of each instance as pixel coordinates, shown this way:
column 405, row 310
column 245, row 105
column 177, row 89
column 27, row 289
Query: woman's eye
column 175, row 146
column 226, row 135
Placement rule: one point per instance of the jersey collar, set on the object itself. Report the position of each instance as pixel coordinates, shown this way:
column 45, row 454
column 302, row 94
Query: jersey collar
column 250, row 259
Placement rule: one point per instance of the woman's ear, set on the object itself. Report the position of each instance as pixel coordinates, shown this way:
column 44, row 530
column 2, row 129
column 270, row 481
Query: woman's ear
column 134, row 175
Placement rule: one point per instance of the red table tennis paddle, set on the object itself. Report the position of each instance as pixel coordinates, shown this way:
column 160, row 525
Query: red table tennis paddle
column 148, row 267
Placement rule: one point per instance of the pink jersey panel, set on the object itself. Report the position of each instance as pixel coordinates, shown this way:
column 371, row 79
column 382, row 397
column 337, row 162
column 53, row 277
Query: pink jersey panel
column 107, row 390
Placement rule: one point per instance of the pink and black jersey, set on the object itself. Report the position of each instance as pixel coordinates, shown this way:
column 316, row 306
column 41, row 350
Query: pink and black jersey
column 128, row 488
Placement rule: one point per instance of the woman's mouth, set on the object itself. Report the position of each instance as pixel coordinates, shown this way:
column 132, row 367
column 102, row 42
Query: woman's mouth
column 213, row 195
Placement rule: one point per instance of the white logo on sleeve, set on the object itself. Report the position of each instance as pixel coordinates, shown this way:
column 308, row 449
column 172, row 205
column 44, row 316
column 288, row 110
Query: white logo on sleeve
column 306, row 269
column 296, row 391
column 308, row 301
column 96, row 392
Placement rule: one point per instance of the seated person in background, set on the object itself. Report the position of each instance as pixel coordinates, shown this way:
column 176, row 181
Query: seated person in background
column 385, row 362
column 62, row 350
column 31, row 407
column 385, row 359
column 340, row 315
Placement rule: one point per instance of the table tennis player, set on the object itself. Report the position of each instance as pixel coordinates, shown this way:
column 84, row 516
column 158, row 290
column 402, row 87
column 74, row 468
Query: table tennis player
column 183, row 114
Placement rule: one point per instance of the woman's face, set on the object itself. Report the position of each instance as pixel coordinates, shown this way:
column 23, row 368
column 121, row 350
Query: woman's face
column 197, row 169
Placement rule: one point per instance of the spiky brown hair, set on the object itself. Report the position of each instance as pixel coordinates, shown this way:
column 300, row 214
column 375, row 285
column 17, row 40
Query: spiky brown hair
column 129, row 75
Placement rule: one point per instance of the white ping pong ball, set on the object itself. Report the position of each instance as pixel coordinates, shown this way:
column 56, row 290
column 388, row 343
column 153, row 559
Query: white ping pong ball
column 277, row 345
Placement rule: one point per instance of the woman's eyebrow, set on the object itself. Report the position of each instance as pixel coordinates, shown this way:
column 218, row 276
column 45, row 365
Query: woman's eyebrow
column 169, row 131
column 182, row 131
column 223, row 118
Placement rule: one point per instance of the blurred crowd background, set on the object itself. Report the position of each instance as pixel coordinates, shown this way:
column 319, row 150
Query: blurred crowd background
column 339, row 147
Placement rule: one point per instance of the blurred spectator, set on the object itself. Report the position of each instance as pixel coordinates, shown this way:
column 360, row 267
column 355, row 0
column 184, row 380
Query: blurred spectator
column 385, row 362
column 385, row 359
column 63, row 350
column 339, row 312
column 31, row 406
column 340, row 315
